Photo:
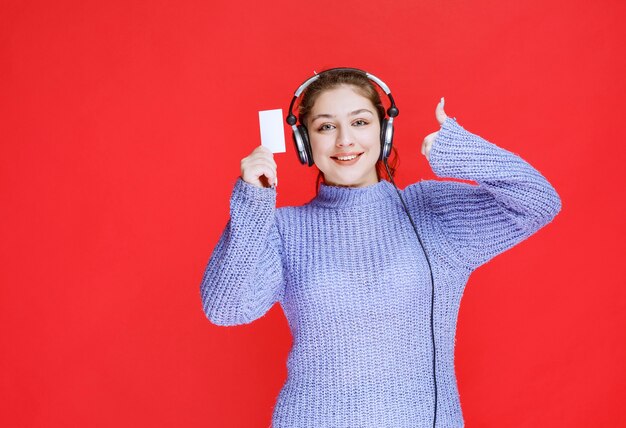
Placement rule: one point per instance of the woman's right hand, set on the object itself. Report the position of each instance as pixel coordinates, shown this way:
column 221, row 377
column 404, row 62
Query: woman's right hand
column 259, row 168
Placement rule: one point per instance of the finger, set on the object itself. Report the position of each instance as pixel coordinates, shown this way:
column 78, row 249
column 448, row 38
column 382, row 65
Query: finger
column 272, row 178
column 440, row 114
column 428, row 142
column 431, row 137
column 269, row 159
column 268, row 163
column 263, row 153
column 262, row 148
column 253, row 163
column 425, row 145
column 259, row 173
column 258, row 158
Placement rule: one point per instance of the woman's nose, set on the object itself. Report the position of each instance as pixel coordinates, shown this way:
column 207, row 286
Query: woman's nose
column 344, row 138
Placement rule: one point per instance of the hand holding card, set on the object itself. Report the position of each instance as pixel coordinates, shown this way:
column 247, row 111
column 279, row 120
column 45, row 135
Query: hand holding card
column 259, row 168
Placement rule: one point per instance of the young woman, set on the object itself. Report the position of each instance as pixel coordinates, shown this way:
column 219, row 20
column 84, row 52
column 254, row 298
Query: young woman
column 351, row 275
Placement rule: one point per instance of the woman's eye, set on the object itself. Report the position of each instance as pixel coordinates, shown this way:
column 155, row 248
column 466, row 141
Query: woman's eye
column 326, row 127
column 360, row 122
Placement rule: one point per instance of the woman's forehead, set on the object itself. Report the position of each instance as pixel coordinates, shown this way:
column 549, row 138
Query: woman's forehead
column 343, row 99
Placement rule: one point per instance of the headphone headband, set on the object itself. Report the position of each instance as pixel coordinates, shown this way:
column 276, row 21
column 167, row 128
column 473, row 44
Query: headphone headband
column 392, row 111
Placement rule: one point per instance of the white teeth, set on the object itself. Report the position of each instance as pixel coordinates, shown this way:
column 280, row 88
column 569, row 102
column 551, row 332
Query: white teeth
column 346, row 157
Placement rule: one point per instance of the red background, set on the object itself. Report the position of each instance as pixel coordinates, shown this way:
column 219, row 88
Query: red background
column 122, row 125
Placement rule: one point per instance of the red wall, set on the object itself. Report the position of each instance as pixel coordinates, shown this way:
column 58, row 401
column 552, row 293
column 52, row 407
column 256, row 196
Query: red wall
column 122, row 124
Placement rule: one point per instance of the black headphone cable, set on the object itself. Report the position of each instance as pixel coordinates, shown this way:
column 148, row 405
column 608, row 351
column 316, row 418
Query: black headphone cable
column 432, row 281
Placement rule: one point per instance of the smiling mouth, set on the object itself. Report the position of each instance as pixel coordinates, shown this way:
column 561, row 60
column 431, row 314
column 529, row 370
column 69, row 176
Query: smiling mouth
column 346, row 158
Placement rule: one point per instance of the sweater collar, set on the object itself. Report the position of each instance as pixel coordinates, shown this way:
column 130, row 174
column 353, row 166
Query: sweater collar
column 341, row 196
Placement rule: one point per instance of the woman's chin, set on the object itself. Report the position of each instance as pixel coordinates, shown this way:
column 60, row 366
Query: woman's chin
column 349, row 182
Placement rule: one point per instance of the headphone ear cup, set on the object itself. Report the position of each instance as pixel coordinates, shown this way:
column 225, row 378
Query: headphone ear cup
column 307, row 144
column 303, row 147
column 386, row 139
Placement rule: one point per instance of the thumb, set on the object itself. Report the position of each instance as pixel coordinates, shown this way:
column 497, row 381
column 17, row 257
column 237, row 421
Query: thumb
column 439, row 113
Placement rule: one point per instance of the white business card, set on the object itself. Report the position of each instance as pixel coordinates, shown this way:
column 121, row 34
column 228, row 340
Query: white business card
column 272, row 130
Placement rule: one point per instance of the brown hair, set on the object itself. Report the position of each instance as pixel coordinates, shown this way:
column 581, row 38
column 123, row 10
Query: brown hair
column 363, row 85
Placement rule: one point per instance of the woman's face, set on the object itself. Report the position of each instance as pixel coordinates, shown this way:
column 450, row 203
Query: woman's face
column 344, row 132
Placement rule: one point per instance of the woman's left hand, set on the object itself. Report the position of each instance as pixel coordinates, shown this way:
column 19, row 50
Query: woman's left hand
column 430, row 138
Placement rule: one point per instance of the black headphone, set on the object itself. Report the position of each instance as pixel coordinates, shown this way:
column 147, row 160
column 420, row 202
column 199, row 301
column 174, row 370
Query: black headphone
column 301, row 134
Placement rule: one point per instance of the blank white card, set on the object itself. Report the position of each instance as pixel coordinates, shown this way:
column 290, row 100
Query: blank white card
column 272, row 130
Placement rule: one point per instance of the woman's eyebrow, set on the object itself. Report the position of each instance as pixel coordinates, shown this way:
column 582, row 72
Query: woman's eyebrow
column 319, row 116
column 330, row 116
column 363, row 110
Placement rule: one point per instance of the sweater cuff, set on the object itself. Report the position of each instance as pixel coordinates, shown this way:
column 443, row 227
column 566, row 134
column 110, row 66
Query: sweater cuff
column 449, row 137
column 457, row 153
column 246, row 196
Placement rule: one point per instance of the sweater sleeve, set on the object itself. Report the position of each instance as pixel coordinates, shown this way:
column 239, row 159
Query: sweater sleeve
column 510, row 202
column 244, row 276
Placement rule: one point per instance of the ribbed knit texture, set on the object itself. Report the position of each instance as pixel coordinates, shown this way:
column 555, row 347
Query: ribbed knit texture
column 353, row 281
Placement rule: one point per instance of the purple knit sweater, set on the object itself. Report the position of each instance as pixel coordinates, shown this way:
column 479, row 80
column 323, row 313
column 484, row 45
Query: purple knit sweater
column 354, row 284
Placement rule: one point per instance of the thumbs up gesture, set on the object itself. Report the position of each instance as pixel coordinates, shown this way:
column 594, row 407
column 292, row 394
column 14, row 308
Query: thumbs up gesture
column 430, row 138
